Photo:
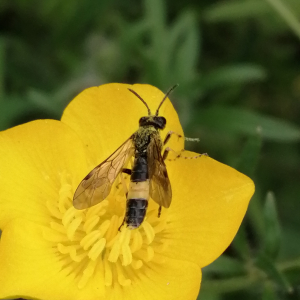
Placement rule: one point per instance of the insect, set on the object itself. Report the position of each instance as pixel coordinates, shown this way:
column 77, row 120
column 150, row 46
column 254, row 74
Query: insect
column 148, row 176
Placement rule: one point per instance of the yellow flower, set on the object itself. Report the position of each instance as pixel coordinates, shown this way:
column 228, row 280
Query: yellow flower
column 50, row 250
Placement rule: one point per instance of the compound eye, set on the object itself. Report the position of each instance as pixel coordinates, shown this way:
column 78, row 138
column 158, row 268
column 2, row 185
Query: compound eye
column 142, row 120
column 161, row 122
column 164, row 121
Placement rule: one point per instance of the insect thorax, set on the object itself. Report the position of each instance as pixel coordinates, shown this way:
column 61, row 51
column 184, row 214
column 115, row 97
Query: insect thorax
column 143, row 136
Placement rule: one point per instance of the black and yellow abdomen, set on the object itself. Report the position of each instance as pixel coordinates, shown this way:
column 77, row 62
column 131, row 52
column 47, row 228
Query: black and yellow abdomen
column 138, row 193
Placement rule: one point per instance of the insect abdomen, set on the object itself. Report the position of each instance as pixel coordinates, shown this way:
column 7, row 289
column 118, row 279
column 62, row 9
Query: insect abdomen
column 135, row 212
column 140, row 169
column 137, row 203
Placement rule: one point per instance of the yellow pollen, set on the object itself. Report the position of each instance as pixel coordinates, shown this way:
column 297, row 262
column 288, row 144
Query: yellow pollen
column 88, row 242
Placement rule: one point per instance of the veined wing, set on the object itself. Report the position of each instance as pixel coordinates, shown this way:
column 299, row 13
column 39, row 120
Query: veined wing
column 96, row 186
column 160, row 186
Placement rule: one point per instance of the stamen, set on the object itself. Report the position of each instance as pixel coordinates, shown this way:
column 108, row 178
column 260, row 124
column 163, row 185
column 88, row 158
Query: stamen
column 137, row 241
column 58, row 227
column 53, row 210
column 121, row 278
column 90, row 239
column 97, row 209
column 107, row 273
column 64, row 193
column 84, row 240
column 87, row 274
column 91, row 223
column 97, row 249
column 113, row 229
column 127, row 255
column 69, row 215
column 136, row 264
column 150, row 234
column 104, row 227
column 146, row 254
column 78, row 258
column 115, row 252
column 73, row 227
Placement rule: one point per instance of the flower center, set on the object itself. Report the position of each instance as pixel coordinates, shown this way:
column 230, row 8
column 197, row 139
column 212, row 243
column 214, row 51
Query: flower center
column 90, row 243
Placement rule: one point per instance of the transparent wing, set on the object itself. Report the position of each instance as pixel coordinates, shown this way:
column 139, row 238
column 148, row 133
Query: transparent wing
column 160, row 187
column 96, row 186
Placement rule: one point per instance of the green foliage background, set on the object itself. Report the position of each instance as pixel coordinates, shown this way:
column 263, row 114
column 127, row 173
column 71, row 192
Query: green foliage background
column 238, row 66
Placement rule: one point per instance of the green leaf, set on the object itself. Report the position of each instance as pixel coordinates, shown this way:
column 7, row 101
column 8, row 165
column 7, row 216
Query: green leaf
column 269, row 293
column 155, row 13
column 184, row 43
column 240, row 244
column 45, row 102
column 2, row 66
column 272, row 228
column 241, row 121
column 203, row 295
column 11, row 108
column 226, row 265
column 229, row 284
column 233, row 75
column 268, row 267
column 255, row 216
column 248, row 160
column 287, row 14
column 235, row 10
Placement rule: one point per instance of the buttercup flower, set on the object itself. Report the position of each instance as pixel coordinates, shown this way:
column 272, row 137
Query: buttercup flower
column 50, row 250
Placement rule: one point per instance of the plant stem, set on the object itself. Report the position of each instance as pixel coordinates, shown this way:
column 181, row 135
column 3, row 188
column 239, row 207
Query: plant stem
column 287, row 15
column 243, row 282
column 289, row 264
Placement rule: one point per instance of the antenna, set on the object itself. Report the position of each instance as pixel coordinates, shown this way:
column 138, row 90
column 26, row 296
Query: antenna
column 132, row 91
column 165, row 97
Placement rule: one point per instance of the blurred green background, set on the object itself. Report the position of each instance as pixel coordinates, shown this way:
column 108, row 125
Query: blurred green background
column 238, row 68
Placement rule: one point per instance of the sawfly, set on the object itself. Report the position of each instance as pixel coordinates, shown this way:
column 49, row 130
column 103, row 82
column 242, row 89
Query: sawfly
column 148, row 176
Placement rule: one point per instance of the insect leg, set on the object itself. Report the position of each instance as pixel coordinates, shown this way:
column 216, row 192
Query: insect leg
column 166, row 153
column 168, row 149
column 127, row 171
column 119, row 229
column 159, row 212
column 191, row 157
column 168, row 136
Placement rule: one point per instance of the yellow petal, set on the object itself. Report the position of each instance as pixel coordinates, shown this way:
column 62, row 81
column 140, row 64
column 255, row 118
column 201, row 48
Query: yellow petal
column 31, row 268
column 32, row 157
column 173, row 280
column 209, row 203
column 105, row 116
